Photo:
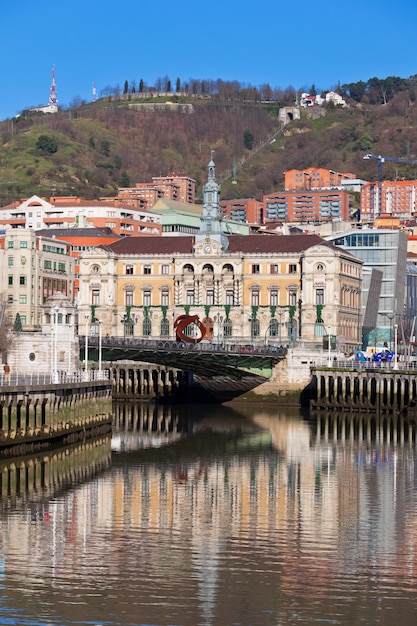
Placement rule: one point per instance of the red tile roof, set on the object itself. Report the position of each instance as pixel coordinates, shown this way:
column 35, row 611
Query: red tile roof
column 249, row 244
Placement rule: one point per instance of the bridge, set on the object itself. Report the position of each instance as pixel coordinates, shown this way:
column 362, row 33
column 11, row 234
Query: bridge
column 223, row 370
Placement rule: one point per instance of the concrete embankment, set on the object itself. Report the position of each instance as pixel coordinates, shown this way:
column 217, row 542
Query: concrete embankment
column 43, row 416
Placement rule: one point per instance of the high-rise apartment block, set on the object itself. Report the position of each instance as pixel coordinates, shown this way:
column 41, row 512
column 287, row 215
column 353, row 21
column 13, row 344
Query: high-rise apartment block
column 398, row 198
column 314, row 205
column 315, row 178
column 172, row 187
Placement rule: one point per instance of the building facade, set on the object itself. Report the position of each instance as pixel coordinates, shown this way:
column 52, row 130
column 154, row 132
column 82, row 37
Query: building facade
column 315, row 178
column 251, row 288
column 66, row 212
column 398, row 199
column 383, row 250
column 171, row 187
column 307, row 206
column 247, row 210
column 34, row 269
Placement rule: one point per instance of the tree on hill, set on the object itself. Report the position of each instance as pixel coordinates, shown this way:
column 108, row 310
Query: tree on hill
column 248, row 138
column 354, row 90
column 47, row 144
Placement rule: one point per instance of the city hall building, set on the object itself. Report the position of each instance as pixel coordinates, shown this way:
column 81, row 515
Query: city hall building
column 245, row 288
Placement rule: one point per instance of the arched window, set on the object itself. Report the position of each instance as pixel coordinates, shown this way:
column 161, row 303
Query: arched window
column 164, row 327
column 147, row 327
column 255, row 328
column 273, row 328
column 129, row 326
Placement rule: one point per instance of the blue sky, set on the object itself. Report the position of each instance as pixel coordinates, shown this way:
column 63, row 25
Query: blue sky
column 275, row 42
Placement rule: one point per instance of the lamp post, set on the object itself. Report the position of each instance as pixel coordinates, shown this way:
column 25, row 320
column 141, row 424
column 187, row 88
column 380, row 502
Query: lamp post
column 250, row 320
column 55, row 348
column 266, row 332
column 329, row 359
column 100, row 336
column 395, row 367
column 219, row 320
column 86, row 317
column 280, row 314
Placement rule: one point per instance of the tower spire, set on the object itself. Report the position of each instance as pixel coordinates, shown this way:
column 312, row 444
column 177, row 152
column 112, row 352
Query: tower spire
column 211, row 218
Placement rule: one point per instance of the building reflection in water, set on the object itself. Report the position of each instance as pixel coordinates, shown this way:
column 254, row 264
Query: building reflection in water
column 198, row 509
column 318, row 485
column 28, row 483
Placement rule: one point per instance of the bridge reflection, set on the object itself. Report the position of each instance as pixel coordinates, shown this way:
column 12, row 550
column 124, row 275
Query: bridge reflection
column 143, row 425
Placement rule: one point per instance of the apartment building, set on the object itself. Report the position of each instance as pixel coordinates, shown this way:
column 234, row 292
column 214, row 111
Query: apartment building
column 172, row 187
column 308, row 206
column 70, row 211
column 246, row 210
column 35, row 268
column 397, row 199
column 315, row 178
column 80, row 239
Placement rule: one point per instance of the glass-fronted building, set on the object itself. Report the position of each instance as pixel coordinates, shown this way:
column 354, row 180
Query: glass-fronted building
column 384, row 250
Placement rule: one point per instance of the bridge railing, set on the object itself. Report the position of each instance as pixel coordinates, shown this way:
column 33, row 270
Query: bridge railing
column 58, row 378
column 235, row 346
column 365, row 365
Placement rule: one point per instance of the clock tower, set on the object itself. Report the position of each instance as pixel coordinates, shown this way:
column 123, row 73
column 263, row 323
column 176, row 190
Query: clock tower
column 211, row 227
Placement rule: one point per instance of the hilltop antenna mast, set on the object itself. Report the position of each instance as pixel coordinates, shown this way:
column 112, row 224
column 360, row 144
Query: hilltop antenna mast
column 52, row 91
column 94, row 92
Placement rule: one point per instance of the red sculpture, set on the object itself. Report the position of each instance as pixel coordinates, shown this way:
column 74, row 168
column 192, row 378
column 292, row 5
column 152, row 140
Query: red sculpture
column 181, row 324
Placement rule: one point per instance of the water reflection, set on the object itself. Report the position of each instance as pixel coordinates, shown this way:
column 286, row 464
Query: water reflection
column 219, row 516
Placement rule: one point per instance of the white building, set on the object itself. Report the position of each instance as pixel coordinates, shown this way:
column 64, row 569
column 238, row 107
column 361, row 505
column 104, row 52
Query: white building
column 66, row 212
column 33, row 269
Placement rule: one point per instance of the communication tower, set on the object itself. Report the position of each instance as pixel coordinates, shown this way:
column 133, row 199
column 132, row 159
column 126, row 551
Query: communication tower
column 52, row 91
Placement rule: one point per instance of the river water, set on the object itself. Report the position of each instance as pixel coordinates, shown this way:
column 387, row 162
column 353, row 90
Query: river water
column 194, row 516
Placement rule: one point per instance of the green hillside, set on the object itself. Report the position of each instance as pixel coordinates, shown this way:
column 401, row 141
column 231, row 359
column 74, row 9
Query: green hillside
column 92, row 150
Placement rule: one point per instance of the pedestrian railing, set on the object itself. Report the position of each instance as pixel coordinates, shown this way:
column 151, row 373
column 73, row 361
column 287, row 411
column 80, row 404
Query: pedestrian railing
column 57, row 378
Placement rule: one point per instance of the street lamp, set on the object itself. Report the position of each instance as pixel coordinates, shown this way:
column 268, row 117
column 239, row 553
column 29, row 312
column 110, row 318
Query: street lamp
column 266, row 332
column 100, row 325
column 280, row 313
column 86, row 317
column 55, row 347
column 219, row 320
column 329, row 360
column 395, row 367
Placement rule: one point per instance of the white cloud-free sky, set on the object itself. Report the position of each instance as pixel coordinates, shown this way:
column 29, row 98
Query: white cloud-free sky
column 275, row 41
